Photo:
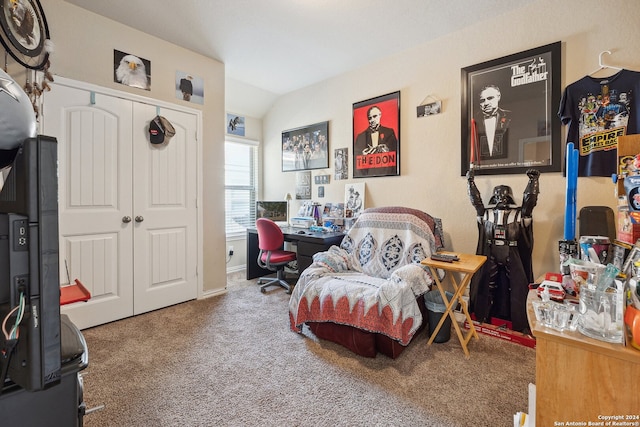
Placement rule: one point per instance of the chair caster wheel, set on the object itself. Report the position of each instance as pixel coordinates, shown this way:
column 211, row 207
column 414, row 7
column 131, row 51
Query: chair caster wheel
column 263, row 290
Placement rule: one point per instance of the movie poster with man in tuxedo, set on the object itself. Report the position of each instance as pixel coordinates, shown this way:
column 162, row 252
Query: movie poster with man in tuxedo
column 376, row 136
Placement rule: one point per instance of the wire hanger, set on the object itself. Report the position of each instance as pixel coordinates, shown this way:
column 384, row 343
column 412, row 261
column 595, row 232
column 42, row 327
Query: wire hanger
column 602, row 65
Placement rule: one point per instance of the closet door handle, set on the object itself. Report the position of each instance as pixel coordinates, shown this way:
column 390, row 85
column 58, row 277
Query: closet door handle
column 126, row 219
column 139, row 218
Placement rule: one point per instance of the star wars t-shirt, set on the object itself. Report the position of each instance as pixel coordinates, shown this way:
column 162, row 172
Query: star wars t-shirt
column 598, row 111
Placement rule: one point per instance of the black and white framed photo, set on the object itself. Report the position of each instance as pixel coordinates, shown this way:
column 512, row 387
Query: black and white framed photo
column 306, row 148
column 341, row 163
column 376, row 136
column 303, row 185
column 354, row 199
column 509, row 105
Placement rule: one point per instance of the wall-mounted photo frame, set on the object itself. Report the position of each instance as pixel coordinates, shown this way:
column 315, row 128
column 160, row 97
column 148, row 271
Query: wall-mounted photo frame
column 321, row 179
column 376, row 136
column 341, row 163
column 306, row 148
column 189, row 87
column 509, row 122
column 131, row 70
column 235, row 124
column 303, row 185
column 429, row 106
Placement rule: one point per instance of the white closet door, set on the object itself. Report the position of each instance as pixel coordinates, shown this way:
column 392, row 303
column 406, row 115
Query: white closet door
column 95, row 194
column 128, row 211
column 165, row 211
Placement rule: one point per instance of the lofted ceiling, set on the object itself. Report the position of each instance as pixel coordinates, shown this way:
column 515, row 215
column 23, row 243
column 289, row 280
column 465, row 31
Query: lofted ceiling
column 278, row 46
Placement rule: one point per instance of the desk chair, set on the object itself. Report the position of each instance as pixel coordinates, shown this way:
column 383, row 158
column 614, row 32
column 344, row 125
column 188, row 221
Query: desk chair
column 597, row 221
column 271, row 256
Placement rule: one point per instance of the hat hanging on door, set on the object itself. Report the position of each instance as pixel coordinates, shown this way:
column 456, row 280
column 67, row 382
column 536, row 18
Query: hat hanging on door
column 160, row 130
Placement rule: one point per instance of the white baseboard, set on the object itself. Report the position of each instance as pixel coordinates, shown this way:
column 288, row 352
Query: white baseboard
column 236, row 268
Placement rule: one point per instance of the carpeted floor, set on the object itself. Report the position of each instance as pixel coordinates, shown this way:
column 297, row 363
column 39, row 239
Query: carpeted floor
column 233, row 361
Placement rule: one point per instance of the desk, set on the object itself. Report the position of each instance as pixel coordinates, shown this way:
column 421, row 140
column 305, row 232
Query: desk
column 581, row 379
column 308, row 244
column 467, row 265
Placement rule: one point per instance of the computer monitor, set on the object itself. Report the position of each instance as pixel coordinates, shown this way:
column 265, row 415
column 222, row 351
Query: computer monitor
column 274, row 210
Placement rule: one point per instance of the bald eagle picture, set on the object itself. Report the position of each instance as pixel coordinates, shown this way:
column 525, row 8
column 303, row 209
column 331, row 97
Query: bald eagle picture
column 23, row 19
column 131, row 71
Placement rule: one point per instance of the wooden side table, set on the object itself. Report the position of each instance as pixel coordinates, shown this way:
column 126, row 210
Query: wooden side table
column 467, row 266
column 583, row 379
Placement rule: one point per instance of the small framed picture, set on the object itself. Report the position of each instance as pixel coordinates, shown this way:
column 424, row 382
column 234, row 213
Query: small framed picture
column 354, row 199
column 429, row 109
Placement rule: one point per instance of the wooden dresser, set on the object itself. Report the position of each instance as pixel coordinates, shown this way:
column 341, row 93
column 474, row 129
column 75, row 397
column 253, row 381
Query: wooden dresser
column 580, row 379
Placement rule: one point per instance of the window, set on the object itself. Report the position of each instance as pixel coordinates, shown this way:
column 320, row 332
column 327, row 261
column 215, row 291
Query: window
column 241, row 186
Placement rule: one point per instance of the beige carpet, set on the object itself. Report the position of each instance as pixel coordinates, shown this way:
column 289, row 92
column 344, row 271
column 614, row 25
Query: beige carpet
column 233, row 361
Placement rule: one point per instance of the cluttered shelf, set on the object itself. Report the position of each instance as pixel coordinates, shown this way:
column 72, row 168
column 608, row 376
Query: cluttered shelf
column 577, row 339
column 579, row 378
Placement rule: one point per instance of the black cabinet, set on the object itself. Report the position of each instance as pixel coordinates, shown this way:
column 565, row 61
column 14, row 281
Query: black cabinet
column 59, row 405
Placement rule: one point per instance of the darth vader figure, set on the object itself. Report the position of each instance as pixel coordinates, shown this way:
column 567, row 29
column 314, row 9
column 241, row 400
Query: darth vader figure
column 505, row 236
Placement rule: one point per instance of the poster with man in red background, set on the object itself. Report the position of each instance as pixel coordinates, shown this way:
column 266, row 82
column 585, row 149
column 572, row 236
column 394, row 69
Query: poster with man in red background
column 376, row 136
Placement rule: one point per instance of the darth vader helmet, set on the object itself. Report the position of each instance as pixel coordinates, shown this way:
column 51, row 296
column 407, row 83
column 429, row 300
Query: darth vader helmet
column 502, row 196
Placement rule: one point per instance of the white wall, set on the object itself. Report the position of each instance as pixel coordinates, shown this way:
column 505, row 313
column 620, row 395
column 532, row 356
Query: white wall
column 253, row 132
column 430, row 154
column 84, row 44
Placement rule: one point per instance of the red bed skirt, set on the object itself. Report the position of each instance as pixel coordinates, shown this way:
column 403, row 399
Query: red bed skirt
column 363, row 343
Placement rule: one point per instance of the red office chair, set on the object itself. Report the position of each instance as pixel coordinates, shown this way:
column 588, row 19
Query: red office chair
column 271, row 256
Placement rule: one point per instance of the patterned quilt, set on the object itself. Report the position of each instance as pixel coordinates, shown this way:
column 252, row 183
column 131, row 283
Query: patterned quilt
column 373, row 279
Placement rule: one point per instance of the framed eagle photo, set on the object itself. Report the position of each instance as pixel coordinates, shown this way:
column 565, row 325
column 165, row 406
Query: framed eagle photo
column 131, row 70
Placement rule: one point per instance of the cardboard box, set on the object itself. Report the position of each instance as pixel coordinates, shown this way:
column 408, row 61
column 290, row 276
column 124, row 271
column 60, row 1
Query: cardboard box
column 501, row 329
column 628, row 146
column 628, row 230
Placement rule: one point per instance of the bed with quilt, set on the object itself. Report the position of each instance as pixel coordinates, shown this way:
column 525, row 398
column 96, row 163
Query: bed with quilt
column 367, row 294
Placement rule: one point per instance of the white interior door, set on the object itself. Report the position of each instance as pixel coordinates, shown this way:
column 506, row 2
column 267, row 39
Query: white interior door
column 165, row 212
column 95, row 194
column 128, row 208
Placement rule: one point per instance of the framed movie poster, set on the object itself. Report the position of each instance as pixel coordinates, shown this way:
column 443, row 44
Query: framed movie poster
column 306, row 148
column 376, row 136
column 509, row 121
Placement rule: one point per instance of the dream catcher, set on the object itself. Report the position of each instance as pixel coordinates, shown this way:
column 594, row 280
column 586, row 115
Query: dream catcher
column 25, row 36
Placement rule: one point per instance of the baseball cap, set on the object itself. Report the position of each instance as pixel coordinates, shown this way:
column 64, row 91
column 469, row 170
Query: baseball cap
column 160, row 130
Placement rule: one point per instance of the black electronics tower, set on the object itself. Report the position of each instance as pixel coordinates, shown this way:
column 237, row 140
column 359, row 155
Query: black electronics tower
column 43, row 387
column 29, row 262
